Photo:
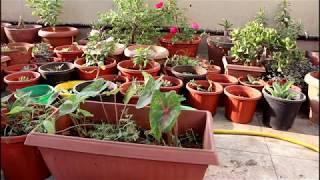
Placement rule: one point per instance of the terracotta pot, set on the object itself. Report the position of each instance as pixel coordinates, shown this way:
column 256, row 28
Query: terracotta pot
column 58, row 36
column 213, row 69
column 20, row 67
column 244, row 81
column 73, row 53
column 158, row 53
column 20, row 53
column 13, row 82
column 167, row 70
column 204, row 100
column 176, row 84
column 90, row 72
column 180, row 48
column 54, row 77
column 217, row 49
column 314, row 57
column 124, row 88
column 28, row 34
column 312, row 79
column 238, row 70
column 81, row 158
column 197, row 73
column 127, row 69
column 241, row 103
column 3, row 34
column 4, row 61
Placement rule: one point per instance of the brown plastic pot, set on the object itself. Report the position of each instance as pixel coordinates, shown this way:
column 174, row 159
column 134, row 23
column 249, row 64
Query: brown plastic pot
column 124, row 88
column 71, row 55
column 58, row 36
column 217, row 49
column 180, row 47
column 176, row 84
column 244, row 81
column 90, row 72
column 241, row 103
column 81, row 158
column 20, row 53
column 127, row 69
column 204, row 100
column 28, row 34
column 13, row 82
column 197, row 73
column 3, row 34
column 19, row 67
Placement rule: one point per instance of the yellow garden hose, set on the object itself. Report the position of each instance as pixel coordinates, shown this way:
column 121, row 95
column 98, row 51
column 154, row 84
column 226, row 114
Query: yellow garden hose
column 264, row 134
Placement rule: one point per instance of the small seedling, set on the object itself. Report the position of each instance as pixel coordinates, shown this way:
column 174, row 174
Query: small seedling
column 142, row 57
column 199, row 87
column 23, row 78
column 252, row 80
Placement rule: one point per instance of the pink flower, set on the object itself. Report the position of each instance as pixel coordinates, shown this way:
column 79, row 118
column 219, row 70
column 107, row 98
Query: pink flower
column 195, row 26
column 173, row 29
column 159, row 5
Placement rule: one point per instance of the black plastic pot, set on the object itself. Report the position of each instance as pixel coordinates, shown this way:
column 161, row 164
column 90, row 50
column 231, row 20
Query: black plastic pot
column 78, row 88
column 281, row 113
column 182, row 72
column 54, row 77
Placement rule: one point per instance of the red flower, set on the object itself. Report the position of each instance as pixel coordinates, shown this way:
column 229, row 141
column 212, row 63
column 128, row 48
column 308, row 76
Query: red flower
column 195, row 26
column 173, row 29
column 159, row 5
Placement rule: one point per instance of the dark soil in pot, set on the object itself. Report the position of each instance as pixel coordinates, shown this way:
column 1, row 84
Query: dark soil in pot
column 281, row 113
column 187, row 73
column 57, row 72
column 28, row 33
column 128, row 69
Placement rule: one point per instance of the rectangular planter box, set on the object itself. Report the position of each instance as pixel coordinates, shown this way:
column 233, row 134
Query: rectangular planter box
column 82, row 158
column 241, row 70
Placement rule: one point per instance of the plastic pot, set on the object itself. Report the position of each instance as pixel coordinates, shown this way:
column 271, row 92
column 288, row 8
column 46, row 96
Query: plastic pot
column 128, row 69
column 180, row 47
column 187, row 73
column 13, row 82
column 19, row 53
column 280, row 113
column 90, row 72
column 244, row 81
column 177, row 84
column 3, row 34
column 312, row 79
column 73, row 53
column 28, row 34
column 241, row 103
column 39, row 93
column 124, row 88
column 66, row 86
column 204, row 100
column 58, row 36
column 54, row 76
column 217, row 48
column 20, row 67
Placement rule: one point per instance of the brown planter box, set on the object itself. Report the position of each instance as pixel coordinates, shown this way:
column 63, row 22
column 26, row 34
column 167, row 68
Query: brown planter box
column 82, row 158
column 241, row 70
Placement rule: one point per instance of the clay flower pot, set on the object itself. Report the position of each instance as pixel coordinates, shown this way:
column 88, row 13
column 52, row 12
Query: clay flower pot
column 53, row 76
column 204, row 100
column 28, row 34
column 58, row 36
column 20, row 67
column 213, row 69
column 118, row 79
column 187, row 73
column 128, row 69
column 20, row 53
column 180, row 47
column 217, row 48
column 90, row 72
column 90, row 158
column 177, row 84
column 244, row 81
column 4, row 62
column 3, row 34
column 158, row 53
column 14, row 83
column 312, row 79
column 124, row 88
column 280, row 113
column 241, row 103
column 73, row 52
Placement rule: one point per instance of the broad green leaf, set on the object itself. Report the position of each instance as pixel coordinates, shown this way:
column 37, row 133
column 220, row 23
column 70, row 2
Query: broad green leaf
column 130, row 92
column 95, row 88
column 49, row 126
column 16, row 110
column 52, row 98
column 68, row 107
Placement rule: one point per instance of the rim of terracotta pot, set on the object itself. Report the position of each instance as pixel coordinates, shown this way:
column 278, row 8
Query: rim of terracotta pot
column 26, row 27
column 253, row 93
column 242, row 82
column 159, row 52
column 301, row 98
column 61, row 31
column 312, row 79
column 69, row 65
column 231, row 80
column 218, row 88
column 176, row 70
column 78, row 63
column 178, row 81
column 35, row 75
column 75, row 49
column 114, row 77
column 155, row 67
column 18, row 45
column 167, row 39
column 17, row 68
column 125, row 86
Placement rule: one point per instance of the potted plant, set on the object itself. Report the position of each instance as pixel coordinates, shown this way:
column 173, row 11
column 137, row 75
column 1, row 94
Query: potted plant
column 219, row 46
column 22, row 32
column 211, row 68
column 39, row 94
column 137, row 85
column 48, row 12
column 68, row 52
column 283, row 105
column 312, row 79
column 182, row 39
column 4, row 38
column 251, row 81
column 20, row 67
column 4, row 62
column 65, row 89
column 169, row 83
column 42, row 53
column 241, row 103
column 177, row 60
column 18, row 118
column 157, row 53
column 204, row 94
column 19, row 53
column 187, row 73
column 141, row 62
column 20, row 80
column 57, row 72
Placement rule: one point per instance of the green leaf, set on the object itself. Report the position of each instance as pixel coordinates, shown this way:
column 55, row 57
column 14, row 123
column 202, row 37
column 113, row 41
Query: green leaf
column 16, row 110
column 95, row 88
column 49, row 126
column 85, row 113
column 68, row 107
column 130, row 92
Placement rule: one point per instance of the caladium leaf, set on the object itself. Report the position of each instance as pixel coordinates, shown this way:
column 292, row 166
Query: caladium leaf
column 130, row 92
column 52, row 98
column 95, row 88
column 49, row 126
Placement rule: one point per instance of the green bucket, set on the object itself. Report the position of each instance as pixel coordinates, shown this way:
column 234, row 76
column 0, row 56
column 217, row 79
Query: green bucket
column 39, row 93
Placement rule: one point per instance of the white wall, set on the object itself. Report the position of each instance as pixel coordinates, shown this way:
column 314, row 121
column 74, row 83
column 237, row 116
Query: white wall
column 206, row 12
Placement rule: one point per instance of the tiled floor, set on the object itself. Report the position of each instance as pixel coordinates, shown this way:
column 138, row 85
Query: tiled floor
column 257, row 158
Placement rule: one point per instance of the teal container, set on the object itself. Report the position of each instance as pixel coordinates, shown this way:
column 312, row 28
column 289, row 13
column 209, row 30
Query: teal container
column 39, row 93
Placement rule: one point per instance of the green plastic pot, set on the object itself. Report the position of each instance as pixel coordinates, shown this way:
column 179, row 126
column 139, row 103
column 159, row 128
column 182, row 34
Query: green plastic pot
column 39, row 93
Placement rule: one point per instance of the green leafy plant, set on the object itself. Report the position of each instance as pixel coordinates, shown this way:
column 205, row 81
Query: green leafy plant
column 176, row 60
column 166, row 83
column 142, row 57
column 47, row 10
column 23, row 78
column 252, row 80
column 202, row 88
column 282, row 91
column 261, row 17
column 226, row 24
column 41, row 50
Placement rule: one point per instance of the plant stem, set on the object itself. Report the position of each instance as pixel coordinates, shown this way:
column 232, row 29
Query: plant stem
column 78, row 125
